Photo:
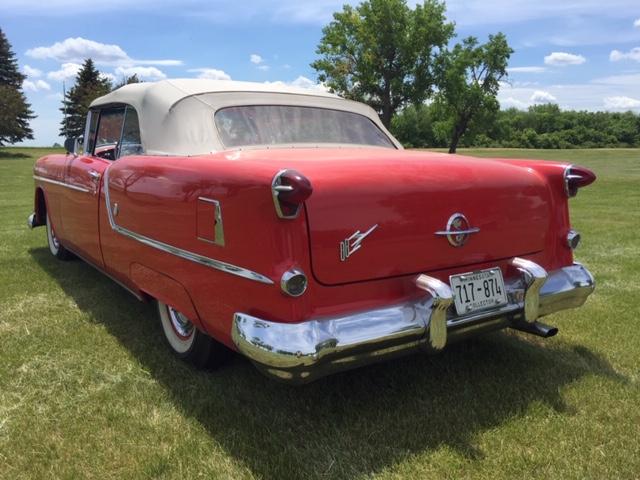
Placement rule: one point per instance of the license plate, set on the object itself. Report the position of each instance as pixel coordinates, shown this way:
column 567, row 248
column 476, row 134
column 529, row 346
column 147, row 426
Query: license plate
column 478, row 290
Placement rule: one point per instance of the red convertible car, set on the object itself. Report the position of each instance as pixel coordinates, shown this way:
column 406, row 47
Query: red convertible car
column 290, row 225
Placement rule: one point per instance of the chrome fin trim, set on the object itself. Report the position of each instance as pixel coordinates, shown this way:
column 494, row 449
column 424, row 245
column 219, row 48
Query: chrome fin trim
column 61, row 184
column 179, row 252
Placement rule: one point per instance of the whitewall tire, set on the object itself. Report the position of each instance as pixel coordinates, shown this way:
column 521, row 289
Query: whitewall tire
column 187, row 342
column 55, row 247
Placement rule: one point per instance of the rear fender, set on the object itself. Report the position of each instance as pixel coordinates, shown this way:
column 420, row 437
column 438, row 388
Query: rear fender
column 165, row 289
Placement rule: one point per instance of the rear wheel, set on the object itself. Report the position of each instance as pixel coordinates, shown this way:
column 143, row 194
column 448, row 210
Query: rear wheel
column 189, row 343
column 55, row 247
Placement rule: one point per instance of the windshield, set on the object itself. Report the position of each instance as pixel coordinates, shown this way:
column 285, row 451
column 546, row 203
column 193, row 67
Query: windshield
column 277, row 124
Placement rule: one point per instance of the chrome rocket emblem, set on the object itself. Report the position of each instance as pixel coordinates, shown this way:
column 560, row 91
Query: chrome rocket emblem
column 458, row 230
column 352, row 244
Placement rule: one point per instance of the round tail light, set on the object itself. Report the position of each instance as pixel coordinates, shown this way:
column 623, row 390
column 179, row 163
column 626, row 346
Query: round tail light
column 294, row 282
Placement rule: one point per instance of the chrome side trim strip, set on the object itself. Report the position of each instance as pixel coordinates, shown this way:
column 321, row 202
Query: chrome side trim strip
column 61, row 184
column 179, row 252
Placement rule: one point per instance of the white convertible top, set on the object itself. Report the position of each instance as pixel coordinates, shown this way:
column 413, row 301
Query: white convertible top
column 176, row 116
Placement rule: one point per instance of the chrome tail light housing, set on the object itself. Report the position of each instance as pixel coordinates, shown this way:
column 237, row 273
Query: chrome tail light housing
column 289, row 189
column 576, row 177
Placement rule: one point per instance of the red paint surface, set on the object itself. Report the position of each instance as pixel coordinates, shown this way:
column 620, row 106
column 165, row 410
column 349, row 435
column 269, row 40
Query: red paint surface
column 520, row 207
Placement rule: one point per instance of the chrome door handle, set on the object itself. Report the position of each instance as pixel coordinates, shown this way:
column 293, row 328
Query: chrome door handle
column 95, row 176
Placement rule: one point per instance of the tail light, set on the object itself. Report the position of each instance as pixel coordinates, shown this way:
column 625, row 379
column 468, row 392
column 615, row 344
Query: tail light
column 290, row 189
column 577, row 177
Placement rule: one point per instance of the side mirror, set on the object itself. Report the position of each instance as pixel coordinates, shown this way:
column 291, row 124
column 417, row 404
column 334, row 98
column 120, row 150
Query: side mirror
column 72, row 145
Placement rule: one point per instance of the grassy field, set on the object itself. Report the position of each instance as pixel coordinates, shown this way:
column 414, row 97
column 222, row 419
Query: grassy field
column 89, row 390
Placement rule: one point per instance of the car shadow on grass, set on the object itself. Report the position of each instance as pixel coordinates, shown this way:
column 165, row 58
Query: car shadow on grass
column 354, row 423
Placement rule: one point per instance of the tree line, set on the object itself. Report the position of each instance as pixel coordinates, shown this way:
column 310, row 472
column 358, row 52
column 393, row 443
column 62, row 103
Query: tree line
column 541, row 126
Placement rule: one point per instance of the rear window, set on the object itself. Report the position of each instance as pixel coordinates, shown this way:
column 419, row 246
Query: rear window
column 281, row 125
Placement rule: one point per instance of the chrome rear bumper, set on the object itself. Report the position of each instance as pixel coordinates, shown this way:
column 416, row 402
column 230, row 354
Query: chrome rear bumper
column 302, row 352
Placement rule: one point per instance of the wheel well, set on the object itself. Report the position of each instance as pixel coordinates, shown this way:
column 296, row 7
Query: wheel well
column 40, row 205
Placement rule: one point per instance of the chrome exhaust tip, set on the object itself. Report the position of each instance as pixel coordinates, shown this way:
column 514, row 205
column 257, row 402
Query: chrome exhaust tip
column 535, row 328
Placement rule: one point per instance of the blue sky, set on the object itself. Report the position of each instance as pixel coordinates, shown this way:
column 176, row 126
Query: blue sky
column 581, row 54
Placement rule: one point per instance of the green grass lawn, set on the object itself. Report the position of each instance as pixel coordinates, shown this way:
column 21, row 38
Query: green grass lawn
column 89, row 390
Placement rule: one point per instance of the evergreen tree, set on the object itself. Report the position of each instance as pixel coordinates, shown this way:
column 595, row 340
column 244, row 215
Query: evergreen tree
column 15, row 112
column 89, row 85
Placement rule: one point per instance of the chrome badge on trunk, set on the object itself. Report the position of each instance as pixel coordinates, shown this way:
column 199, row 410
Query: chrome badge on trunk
column 350, row 245
column 458, row 230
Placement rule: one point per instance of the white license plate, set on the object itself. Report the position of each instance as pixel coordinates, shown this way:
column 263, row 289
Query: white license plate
column 478, row 290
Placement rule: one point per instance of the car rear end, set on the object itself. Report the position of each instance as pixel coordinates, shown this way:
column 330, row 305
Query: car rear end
column 413, row 251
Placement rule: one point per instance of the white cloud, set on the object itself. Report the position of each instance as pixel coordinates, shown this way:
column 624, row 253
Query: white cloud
column 633, row 54
column 577, row 96
column 66, row 72
column 35, row 86
column 76, row 50
column 256, row 59
column 264, row 68
column 159, row 63
column 511, row 102
column 621, row 103
column 526, row 69
column 211, row 73
column 31, row 72
column 637, row 23
column 631, row 80
column 300, row 82
column 42, row 85
column 144, row 73
column 108, row 76
column 563, row 58
column 540, row 96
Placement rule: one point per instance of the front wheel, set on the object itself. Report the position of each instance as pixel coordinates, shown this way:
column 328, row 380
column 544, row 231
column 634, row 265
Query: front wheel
column 187, row 342
column 55, row 247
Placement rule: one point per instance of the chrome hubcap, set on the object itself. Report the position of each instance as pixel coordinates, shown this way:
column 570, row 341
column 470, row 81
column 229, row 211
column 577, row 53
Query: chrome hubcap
column 52, row 235
column 54, row 239
column 181, row 324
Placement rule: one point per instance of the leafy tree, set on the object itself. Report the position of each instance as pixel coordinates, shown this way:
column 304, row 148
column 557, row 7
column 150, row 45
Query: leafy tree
column 382, row 52
column 89, row 85
column 15, row 112
column 469, row 80
column 414, row 127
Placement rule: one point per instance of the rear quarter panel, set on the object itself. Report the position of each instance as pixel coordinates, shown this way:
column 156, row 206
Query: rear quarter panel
column 158, row 197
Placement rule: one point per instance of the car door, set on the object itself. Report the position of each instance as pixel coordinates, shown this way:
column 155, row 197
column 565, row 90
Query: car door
column 103, row 146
